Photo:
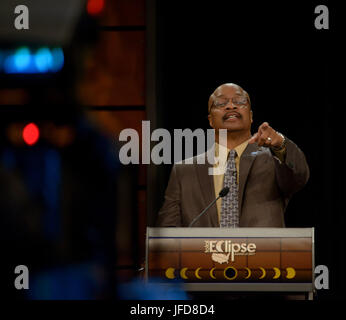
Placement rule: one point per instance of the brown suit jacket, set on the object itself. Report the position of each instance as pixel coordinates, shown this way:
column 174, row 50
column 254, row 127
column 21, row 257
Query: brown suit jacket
column 265, row 187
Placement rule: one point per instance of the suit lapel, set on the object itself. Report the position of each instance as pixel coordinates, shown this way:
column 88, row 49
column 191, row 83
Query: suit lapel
column 246, row 161
column 206, row 182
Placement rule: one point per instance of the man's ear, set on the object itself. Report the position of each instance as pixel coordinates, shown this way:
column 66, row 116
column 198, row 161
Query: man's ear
column 210, row 121
column 251, row 116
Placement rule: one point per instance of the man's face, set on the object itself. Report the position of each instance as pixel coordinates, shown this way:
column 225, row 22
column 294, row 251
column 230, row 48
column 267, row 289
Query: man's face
column 230, row 109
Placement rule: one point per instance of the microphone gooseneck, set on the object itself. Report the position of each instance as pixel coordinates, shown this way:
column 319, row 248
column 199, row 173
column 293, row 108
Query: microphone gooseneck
column 222, row 193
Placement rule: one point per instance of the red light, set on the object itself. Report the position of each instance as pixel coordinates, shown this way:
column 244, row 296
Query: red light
column 31, row 133
column 94, row 7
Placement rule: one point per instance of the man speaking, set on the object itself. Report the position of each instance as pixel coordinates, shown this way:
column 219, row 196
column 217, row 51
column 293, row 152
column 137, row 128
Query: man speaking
column 261, row 172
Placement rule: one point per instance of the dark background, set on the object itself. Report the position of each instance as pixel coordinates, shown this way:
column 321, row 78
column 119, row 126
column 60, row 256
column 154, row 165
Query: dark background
column 294, row 74
column 70, row 210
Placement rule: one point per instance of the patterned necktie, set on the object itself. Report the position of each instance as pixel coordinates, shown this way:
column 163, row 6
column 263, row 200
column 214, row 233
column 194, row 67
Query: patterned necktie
column 229, row 206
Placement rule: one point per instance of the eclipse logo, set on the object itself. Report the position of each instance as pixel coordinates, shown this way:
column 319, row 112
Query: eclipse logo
column 226, row 246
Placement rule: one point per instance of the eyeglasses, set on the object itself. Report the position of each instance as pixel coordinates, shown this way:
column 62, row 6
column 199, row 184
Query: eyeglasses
column 240, row 102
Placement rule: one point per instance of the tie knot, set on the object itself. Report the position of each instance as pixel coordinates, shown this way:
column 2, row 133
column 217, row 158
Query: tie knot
column 232, row 154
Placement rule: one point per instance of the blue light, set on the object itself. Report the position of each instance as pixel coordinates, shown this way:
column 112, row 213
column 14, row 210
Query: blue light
column 22, row 59
column 43, row 60
column 1, row 60
column 58, row 59
column 9, row 65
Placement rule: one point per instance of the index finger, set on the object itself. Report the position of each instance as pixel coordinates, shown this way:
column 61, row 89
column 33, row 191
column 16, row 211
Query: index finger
column 264, row 126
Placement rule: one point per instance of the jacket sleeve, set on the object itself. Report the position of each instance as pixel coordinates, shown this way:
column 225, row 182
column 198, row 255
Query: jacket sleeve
column 293, row 173
column 170, row 213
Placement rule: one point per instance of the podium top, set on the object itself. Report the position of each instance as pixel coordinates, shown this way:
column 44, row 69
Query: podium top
column 230, row 232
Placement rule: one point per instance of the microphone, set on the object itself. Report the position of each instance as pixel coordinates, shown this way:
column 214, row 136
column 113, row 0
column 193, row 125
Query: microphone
column 222, row 193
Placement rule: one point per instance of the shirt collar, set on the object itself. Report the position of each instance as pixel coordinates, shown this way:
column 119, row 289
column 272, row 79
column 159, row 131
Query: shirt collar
column 223, row 151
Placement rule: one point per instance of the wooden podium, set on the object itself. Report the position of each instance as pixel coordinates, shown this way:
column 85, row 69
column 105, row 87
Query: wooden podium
column 232, row 260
